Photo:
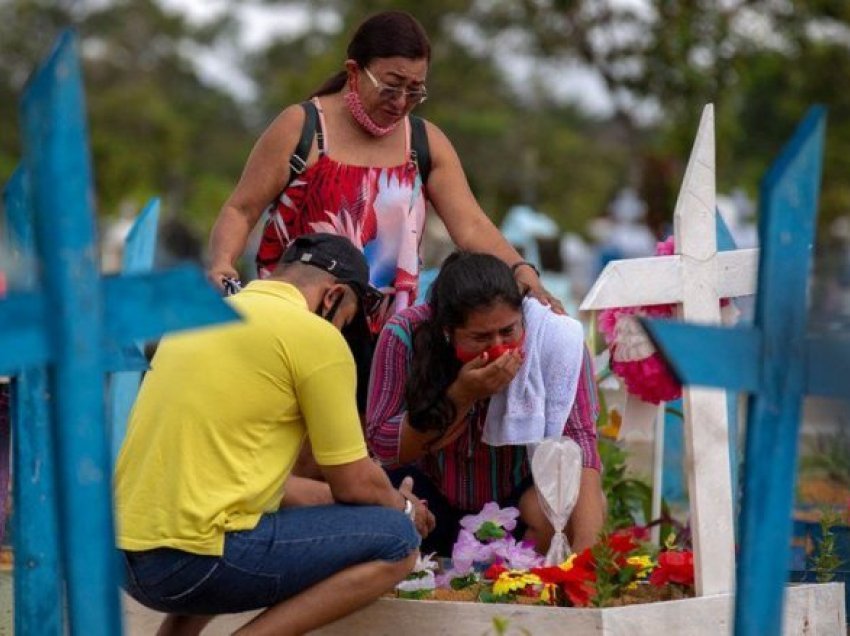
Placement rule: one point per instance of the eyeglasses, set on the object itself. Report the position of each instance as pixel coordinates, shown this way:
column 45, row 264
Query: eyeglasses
column 370, row 298
column 392, row 93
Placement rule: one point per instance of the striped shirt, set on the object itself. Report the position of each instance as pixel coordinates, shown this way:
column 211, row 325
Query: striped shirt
column 468, row 472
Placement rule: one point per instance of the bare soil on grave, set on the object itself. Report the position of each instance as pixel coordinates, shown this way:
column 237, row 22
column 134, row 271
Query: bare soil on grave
column 816, row 492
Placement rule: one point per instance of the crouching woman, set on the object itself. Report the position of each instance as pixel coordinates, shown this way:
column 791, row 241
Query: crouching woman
column 436, row 369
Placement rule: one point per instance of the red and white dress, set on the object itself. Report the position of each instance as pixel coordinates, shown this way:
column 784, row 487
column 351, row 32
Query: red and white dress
column 381, row 210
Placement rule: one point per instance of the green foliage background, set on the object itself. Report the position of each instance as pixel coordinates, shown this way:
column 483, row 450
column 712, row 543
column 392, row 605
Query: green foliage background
column 158, row 129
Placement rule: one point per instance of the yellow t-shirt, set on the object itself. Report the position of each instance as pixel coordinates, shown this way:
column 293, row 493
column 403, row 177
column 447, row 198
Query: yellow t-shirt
column 221, row 417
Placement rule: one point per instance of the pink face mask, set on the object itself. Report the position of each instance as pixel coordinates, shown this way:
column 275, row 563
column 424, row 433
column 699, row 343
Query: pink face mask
column 355, row 107
column 493, row 352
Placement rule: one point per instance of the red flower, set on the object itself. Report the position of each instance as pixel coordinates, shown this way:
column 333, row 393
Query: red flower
column 674, row 567
column 640, row 533
column 492, row 573
column 584, row 561
column 579, row 586
column 551, row 574
column 578, row 581
column 623, row 542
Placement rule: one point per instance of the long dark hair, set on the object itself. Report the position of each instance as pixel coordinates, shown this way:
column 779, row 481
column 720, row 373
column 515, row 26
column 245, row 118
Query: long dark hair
column 386, row 34
column 467, row 282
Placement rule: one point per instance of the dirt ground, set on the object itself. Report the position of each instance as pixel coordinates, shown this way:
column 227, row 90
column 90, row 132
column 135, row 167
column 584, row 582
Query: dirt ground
column 816, row 493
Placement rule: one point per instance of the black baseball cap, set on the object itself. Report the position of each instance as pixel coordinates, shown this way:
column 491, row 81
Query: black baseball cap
column 338, row 256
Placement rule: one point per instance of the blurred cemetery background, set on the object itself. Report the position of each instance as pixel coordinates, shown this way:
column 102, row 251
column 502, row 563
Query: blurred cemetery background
column 573, row 120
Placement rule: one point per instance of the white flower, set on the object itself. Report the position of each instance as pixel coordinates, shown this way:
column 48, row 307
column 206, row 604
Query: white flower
column 426, row 563
column 427, row 582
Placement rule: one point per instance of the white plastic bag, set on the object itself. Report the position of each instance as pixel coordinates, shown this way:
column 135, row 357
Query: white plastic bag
column 556, row 468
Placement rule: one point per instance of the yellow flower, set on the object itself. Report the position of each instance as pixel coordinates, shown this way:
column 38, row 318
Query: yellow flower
column 612, row 429
column 568, row 564
column 548, row 593
column 514, row 580
column 643, row 563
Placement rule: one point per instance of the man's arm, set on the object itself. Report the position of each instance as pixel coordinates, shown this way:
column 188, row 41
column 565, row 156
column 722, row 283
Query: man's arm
column 363, row 482
column 301, row 491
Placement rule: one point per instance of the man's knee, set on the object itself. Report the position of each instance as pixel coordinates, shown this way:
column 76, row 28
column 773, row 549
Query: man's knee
column 398, row 537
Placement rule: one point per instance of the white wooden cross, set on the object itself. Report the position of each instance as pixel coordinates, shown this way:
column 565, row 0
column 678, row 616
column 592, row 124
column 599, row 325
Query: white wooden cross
column 696, row 277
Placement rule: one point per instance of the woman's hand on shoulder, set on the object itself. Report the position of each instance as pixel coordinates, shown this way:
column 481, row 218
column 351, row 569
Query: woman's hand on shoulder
column 527, row 278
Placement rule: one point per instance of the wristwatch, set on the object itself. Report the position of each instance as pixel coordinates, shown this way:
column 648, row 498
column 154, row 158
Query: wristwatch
column 409, row 509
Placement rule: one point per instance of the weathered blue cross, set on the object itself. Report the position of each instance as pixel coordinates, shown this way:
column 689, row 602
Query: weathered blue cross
column 77, row 326
column 137, row 257
column 777, row 363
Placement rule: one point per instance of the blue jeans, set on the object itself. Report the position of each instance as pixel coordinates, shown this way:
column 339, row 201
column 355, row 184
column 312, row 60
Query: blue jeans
column 285, row 554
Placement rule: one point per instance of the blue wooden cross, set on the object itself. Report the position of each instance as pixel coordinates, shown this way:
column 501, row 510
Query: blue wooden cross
column 74, row 324
column 778, row 364
column 38, row 592
column 137, row 257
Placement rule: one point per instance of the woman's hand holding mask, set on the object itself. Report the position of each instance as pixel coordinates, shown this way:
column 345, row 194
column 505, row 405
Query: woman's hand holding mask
column 482, row 377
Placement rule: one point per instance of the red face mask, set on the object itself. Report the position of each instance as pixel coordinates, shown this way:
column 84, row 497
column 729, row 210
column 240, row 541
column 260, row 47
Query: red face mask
column 492, row 352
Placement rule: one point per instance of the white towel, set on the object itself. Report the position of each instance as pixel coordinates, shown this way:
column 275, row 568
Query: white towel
column 538, row 401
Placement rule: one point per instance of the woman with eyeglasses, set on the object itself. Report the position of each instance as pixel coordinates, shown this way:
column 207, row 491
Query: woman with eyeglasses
column 362, row 177
column 433, row 414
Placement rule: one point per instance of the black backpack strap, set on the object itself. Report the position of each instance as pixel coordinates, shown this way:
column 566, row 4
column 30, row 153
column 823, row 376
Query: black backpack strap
column 298, row 160
column 420, row 153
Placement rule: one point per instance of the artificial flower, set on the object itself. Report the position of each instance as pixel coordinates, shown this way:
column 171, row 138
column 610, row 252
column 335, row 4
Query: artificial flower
column 634, row 357
column 551, row 574
column 578, row 578
column 493, row 515
column 566, row 565
column 579, row 586
column 467, row 550
column 452, row 579
column 427, row 581
column 513, row 581
column 642, row 564
column 622, row 542
column 612, row 429
column 494, row 571
column 549, row 593
column 426, row 563
column 517, row 555
column 584, row 561
column 674, row 567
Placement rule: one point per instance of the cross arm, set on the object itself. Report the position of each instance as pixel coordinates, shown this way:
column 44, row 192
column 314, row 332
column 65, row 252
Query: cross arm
column 705, row 355
column 654, row 280
column 657, row 280
column 182, row 298
column 23, row 339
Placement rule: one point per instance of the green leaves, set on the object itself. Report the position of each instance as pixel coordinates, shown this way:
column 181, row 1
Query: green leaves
column 627, row 497
column 462, row 582
column 826, row 560
column 489, row 530
column 487, row 596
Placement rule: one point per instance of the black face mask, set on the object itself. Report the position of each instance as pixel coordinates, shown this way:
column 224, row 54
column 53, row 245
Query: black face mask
column 329, row 316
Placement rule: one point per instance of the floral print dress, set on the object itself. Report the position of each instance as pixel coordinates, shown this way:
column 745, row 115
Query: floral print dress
column 381, row 210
